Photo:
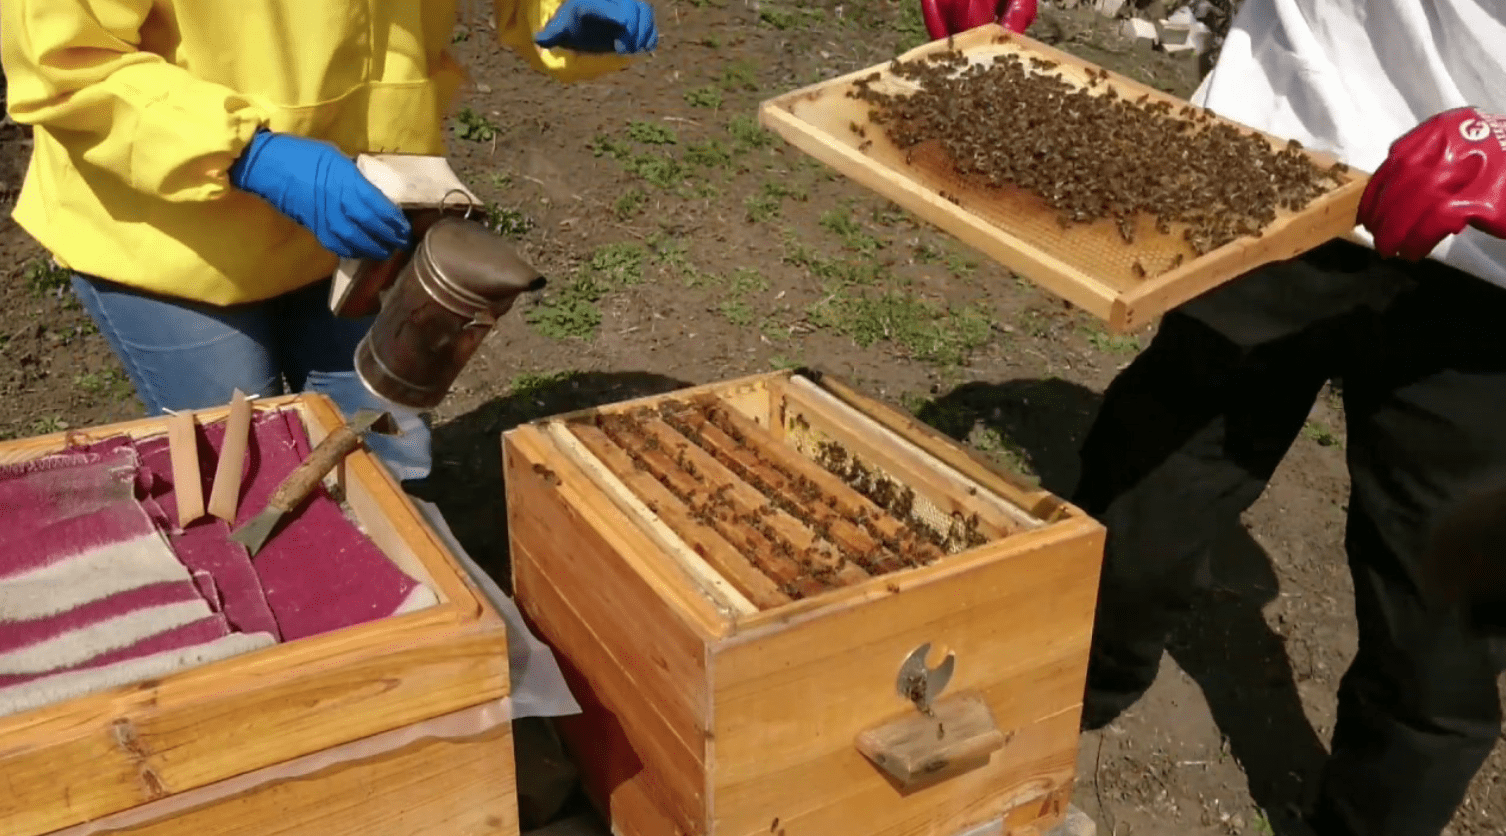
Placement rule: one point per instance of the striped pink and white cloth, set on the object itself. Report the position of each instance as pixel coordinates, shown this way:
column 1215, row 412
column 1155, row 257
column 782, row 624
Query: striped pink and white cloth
column 91, row 594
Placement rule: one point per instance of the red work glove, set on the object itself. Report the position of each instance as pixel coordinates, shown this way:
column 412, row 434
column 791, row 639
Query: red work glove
column 949, row 17
column 1445, row 174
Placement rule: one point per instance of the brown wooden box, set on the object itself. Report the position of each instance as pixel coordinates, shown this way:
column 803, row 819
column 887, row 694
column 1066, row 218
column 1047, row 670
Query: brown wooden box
column 112, row 752
column 712, row 708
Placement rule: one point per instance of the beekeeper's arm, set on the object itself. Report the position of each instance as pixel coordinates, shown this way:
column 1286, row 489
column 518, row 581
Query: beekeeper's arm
column 76, row 70
column 576, row 40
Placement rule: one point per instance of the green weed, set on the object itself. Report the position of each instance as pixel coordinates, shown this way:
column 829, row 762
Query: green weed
column 1322, row 434
column 841, row 224
column 475, row 127
column 619, row 265
column 649, row 133
column 43, row 276
column 918, row 328
column 738, row 76
column 511, row 223
column 708, row 154
column 629, row 204
column 747, row 134
column 532, row 385
column 1114, row 343
column 708, row 96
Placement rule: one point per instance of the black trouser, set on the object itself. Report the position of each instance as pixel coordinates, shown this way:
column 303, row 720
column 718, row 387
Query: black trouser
column 1191, row 432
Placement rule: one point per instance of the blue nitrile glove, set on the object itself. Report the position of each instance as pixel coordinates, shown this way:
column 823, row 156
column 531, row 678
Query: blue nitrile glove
column 321, row 188
column 623, row 26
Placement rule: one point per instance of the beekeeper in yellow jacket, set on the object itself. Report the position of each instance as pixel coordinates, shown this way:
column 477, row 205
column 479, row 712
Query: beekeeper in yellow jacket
column 193, row 168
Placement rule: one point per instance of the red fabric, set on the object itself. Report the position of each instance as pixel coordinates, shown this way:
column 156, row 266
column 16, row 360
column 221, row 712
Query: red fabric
column 950, row 17
column 58, row 508
column 317, row 573
column 1445, row 174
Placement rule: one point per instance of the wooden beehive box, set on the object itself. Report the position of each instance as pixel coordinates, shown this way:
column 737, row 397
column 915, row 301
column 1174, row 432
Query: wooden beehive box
column 1089, row 265
column 734, row 615
column 205, row 733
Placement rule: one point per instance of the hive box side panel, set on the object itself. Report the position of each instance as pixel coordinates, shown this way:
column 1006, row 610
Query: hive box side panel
column 791, row 699
column 622, row 643
column 108, row 754
column 458, row 787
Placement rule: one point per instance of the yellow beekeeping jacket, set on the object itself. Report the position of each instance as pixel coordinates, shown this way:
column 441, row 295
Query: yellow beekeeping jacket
column 140, row 107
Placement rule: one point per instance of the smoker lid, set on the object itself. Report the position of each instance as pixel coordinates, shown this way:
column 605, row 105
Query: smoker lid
column 472, row 257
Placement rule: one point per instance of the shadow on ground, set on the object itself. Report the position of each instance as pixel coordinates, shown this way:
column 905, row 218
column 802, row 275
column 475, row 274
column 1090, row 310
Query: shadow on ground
column 1226, row 646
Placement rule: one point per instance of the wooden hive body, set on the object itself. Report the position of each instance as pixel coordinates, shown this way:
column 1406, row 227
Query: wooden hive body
column 708, row 714
column 331, row 735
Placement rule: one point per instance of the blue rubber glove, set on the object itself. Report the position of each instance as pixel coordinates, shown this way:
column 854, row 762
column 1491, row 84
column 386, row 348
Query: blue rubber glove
column 321, row 188
column 623, row 26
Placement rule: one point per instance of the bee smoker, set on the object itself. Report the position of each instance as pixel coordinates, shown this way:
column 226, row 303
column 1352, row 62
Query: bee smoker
column 459, row 281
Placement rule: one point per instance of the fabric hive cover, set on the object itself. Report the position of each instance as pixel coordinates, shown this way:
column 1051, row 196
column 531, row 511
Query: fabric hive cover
column 100, row 585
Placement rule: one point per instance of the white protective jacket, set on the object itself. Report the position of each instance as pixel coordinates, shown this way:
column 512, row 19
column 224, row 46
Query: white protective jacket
column 1351, row 76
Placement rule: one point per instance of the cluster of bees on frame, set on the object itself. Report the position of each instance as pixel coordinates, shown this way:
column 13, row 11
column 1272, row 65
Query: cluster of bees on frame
column 1090, row 153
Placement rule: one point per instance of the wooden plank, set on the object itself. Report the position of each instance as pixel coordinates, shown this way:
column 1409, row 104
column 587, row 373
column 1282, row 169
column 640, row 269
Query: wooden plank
column 188, row 483
column 707, row 556
column 845, row 501
column 820, row 555
column 592, row 555
column 946, row 488
column 922, row 749
column 436, row 787
column 225, row 494
column 97, row 755
column 691, row 489
column 628, row 726
column 1087, row 264
column 1019, row 625
column 743, row 454
column 1014, row 488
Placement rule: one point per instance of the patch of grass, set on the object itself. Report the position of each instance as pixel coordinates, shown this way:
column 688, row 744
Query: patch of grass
column 790, row 17
column 531, row 385
column 48, row 424
column 619, row 265
column 510, row 223
column 43, row 277
column 629, row 204
column 1322, row 434
column 474, row 126
column 571, row 311
column 747, row 134
column 915, row 326
column 708, row 154
column 781, row 363
column 500, row 179
column 659, row 169
column 841, row 224
column 910, row 26
column 672, row 254
column 108, row 382
column 734, row 291
column 738, row 76
column 708, row 96
column 711, row 41
column 833, row 272
column 650, row 133
column 1262, row 825
column 1114, row 343
column 768, row 202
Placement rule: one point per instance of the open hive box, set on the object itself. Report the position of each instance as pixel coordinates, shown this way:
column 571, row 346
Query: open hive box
column 753, row 587
column 1124, row 273
column 390, row 724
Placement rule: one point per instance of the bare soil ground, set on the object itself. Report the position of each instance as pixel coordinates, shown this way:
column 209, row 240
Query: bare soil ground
column 684, row 245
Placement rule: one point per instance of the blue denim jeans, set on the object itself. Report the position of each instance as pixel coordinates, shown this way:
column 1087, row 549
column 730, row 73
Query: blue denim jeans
column 185, row 355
